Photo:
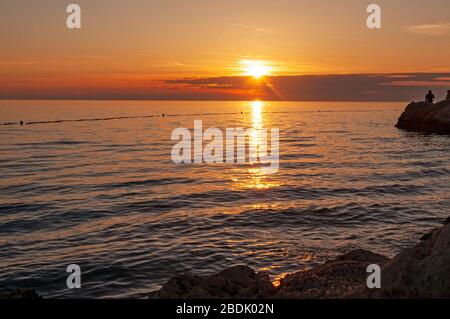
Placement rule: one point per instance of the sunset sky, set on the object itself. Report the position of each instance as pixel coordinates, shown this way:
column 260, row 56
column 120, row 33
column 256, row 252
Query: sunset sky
column 179, row 49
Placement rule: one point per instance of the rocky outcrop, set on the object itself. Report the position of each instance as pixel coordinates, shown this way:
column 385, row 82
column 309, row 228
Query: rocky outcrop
column 238, row 282
column 419, row 272
column 332, row 280
column 426, row 117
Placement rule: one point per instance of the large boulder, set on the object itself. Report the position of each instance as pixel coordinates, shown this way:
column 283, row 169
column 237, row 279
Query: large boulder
column 419, row 272
column 334, row 279
column 239, row 282
column 426, row 117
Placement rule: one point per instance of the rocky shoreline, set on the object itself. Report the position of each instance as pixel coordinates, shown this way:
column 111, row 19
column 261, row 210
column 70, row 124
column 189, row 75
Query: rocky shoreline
column 426, row 117
column 422, row 271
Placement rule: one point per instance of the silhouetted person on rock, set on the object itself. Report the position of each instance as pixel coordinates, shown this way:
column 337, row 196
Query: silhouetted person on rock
column 430, row 97
column 448, row 95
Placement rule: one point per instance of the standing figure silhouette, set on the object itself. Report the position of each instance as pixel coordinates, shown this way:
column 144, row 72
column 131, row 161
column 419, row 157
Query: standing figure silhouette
column 429, row 97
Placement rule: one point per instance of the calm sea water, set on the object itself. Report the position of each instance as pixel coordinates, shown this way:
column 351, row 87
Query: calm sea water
column 106, row 195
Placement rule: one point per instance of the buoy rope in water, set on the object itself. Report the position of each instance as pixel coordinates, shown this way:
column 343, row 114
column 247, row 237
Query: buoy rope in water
column 162, row 116
column 120, row 118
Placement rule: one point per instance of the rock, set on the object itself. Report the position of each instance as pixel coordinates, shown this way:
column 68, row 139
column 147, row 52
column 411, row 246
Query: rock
column 179, row 286
column 238, row 282
column 28, row 294
column 447, row 221
column 364, row 256
column 331, row 280
column 426, row 236
column 426, row 117
column 419, row 272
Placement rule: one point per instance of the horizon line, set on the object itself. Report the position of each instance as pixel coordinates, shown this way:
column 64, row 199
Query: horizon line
column 196, row 100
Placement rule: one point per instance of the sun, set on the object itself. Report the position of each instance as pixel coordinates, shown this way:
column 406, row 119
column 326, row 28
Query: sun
column 255, row 69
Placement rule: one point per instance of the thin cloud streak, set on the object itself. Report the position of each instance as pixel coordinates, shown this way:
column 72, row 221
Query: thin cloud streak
column 436, row 29
column 254, row 28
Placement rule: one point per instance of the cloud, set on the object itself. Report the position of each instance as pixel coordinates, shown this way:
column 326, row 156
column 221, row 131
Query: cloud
column 437, row 29
column 253, row 28
column 443, row 78
column 419, row 83
column 350, row 87
column 22, row 62
column 343, row 87
column 400, row 76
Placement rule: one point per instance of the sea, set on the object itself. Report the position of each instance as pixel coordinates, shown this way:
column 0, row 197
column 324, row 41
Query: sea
column 93, row 183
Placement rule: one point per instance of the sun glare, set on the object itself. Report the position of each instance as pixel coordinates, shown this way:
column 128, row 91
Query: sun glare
column 257, row 113
column 255, row 69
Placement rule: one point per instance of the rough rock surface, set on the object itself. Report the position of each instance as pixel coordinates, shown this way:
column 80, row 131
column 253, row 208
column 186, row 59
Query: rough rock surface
column 235, row 282
column 331, row 280
column 426, row 117
column 419, row 272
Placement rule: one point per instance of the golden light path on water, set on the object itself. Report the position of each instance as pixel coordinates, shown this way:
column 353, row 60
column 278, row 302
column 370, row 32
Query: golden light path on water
column 255, row 177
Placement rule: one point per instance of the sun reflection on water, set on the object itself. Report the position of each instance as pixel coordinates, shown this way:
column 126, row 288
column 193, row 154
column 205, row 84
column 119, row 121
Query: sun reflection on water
column 255, row 177
column 257, row 114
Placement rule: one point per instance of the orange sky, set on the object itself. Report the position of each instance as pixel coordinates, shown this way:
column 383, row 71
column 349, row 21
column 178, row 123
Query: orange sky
column 137, row 46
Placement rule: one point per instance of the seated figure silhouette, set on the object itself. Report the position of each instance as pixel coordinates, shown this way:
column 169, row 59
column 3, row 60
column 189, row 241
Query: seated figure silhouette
column 448, row 95
column 429, row 97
